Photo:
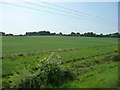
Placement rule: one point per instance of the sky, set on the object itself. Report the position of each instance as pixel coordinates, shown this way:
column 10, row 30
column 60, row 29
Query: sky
column 20, row 17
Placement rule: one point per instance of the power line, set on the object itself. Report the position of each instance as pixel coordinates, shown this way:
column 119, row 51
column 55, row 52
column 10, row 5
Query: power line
column 41, row 10
column 32, row 8
column 88, row 18
column 76, row 11
column 62, row 11
column 55, row 9
column 70, row 9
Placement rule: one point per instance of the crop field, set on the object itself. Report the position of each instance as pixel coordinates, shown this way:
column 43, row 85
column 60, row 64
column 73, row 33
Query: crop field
column 89, row 60
column 14, row 45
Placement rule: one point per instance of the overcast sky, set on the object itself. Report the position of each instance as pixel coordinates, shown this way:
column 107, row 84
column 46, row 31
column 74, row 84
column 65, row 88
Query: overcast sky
column 65, row 17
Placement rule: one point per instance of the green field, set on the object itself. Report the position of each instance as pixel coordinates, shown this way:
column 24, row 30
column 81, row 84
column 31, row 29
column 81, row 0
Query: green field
column 13, row 45
column 86, row 56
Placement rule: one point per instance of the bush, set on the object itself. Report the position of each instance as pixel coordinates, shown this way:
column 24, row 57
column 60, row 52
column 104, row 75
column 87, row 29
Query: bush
column 50, row 73
column 53, row 71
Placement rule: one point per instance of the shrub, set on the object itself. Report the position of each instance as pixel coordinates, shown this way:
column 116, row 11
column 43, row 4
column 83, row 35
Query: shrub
column 50, row 73
column 53, row 71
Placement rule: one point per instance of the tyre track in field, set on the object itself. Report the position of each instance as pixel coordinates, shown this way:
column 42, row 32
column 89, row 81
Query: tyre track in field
column 47, row 51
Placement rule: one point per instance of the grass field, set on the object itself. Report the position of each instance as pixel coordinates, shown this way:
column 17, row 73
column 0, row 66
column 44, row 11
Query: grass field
column 13, row 45
column 91, row 58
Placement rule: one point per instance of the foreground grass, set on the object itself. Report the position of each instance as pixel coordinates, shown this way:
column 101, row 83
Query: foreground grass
column 95, row 72
column 100, row 76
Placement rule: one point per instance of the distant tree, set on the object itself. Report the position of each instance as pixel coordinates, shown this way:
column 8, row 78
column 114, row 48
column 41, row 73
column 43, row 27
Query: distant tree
column 78, row 34
column 97, row 35
column 9, row 34
column 101, row 35
column 81, row 34
column 52, row 33
column 117, row 34
column 38, row 33
column 43, row 33
column 73, row 34
column 3, row 34
column 90, row 34
column 107, row 35
column 20, row 35
column 28, row 34
column 65, row 35
column 60, row 34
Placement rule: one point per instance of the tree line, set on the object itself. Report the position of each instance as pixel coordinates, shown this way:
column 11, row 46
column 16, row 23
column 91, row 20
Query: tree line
column 87, row 34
